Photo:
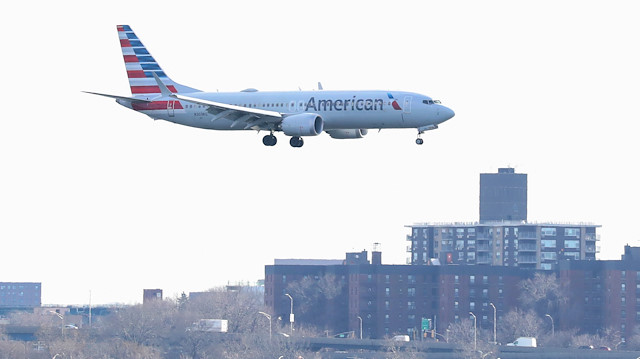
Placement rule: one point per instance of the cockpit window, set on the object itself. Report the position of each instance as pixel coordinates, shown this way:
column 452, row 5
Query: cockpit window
column 430, row 102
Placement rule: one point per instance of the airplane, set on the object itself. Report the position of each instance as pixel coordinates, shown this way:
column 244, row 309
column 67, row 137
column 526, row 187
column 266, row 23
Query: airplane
column 341, row 114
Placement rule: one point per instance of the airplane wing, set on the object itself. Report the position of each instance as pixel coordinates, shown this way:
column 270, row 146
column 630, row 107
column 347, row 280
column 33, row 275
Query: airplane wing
column 249, row 118
column 253, row 118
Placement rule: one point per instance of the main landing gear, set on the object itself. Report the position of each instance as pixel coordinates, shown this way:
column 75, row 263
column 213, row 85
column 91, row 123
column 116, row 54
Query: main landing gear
column 419, row 141
column 296, row 141
column 269, row 140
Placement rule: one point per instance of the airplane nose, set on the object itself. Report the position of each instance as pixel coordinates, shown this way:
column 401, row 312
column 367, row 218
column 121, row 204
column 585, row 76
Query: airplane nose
column 446, row 113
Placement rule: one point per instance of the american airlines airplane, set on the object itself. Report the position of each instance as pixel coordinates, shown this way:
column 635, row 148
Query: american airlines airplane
column 341, row 114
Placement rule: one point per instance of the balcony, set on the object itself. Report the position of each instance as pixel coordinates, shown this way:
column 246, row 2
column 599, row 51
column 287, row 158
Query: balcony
column 591, row 237
column 483, row 248
column 409, row 237
column 527, row 235
column 409, row 249
column 527, row 247
column 527, row 259
column 484, row 260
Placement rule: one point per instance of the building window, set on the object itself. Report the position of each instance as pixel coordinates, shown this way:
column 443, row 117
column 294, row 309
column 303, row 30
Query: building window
column 456, row 279
column 572, row 232
column 411, row 292
column 549, row 256
column 572, row 243
column 548, row 243
column 548, row 232
column 472, row 279
column 411, row 305
column 485, row 279
column 472, row 306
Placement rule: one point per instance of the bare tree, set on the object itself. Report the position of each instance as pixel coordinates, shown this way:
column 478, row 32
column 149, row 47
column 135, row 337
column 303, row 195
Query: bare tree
column 313, row 296
column 542, row 293
column 517, row 323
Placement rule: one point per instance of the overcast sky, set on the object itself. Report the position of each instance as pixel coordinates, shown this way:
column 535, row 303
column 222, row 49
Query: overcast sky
column 95, row 197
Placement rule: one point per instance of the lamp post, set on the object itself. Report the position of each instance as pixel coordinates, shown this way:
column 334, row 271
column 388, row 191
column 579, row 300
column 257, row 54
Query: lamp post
column 291, row 317
column 475, row 331
column 61, row 318
column 268, row 317
column 360, row 318
column 495, row 341
column 553, row 329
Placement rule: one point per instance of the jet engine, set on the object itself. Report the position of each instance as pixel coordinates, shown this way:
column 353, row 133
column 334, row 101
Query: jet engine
column 304, row 124
column 351, row 133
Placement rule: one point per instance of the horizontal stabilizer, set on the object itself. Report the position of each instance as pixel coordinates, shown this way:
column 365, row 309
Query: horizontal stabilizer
column 128, row 99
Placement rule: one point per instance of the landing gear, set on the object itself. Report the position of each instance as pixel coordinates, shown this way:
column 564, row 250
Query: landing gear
column 419, row 141
column 269, row 140
column 296, row 142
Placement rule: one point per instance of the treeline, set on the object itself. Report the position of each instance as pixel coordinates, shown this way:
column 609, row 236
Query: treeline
column 159, row 330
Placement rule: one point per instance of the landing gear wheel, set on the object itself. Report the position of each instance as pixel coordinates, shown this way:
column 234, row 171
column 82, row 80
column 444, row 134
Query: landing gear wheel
column 296, row 142
column 269, row 140
column 419, row 141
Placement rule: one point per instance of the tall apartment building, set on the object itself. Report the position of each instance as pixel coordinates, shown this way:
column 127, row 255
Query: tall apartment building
column 502, row 237
column 511, row 244
column 503, row 196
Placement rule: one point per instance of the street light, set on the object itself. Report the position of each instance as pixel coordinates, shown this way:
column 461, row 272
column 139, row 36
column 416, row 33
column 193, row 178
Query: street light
column 553, row 329
column 495, row 342
column 291, row 318
column 360, row 326
column 268, row 317
column 61, row 318
column 475, row 331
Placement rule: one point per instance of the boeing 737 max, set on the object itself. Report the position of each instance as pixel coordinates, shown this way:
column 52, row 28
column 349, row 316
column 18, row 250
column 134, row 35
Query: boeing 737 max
column 341, row 114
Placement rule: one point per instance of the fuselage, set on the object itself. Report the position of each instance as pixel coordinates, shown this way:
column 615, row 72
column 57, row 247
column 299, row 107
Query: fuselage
column 338, row 109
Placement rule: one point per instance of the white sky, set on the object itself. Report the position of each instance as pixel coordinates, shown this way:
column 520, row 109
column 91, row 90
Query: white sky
column 95, row 197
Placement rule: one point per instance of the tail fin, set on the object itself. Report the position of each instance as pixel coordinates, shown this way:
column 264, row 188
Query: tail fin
column 141, row 66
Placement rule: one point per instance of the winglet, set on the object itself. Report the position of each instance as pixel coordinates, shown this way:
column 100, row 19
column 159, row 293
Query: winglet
column 164, row 90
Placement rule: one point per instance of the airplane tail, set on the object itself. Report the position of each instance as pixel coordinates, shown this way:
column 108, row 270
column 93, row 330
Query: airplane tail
column 141, row 66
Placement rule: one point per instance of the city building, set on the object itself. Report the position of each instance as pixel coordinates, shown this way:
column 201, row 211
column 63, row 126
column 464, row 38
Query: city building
column 393, row 299
column 502, row 237
column 503, row 196
column 389, row 300
column 602, row 294
column 151, row 295
column 508, row 243
column 20, row 295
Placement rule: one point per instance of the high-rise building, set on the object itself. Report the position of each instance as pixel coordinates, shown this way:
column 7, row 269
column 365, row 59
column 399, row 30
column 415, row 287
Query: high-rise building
column 503, row 196
column 20, row 295
column 503, row 237
column 507, row 243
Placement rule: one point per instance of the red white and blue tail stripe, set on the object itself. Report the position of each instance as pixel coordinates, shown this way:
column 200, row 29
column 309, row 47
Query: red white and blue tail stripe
column 141, row 65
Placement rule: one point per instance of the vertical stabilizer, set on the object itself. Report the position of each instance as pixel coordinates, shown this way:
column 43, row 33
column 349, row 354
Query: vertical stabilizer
column 141, row 67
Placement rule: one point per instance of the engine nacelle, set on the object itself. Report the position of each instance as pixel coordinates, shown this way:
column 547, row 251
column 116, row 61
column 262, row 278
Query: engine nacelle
column 304, row 124
column 350, row 133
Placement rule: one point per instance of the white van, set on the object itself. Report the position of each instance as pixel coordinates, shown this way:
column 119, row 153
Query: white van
column 524, row 342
